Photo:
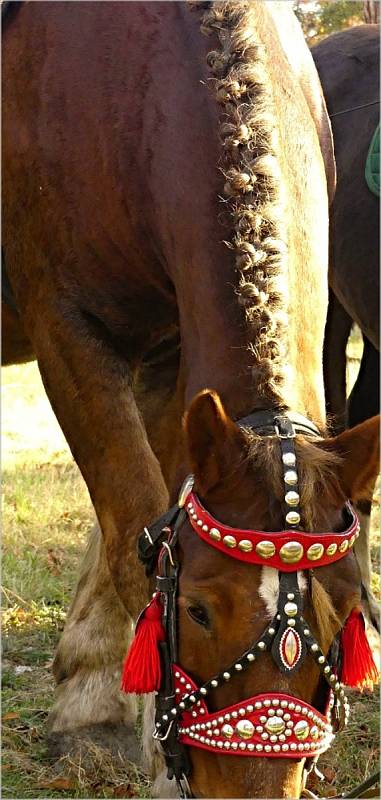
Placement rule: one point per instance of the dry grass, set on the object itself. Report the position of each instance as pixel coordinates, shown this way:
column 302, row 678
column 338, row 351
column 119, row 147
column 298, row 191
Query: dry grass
column 47, row 517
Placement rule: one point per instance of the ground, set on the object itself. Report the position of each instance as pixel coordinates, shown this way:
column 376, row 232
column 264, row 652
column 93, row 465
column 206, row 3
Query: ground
column 47, row 517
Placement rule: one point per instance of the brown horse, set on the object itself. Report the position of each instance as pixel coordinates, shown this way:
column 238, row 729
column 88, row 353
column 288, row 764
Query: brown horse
column 349, row 69
column 116, row 158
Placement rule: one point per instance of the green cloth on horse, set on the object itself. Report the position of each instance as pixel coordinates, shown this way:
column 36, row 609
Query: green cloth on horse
column 372, row 166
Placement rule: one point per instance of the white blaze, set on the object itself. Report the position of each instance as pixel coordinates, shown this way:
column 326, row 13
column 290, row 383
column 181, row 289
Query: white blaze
column 269, row 588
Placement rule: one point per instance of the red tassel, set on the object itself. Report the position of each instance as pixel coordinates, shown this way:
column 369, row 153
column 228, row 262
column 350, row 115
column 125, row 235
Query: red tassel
column 358, row 668
column 142, row 667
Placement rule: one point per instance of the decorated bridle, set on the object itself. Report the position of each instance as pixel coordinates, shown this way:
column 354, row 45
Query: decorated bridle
column 274, row 724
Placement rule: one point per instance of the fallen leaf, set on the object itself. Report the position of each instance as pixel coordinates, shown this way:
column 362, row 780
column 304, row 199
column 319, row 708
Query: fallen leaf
column 11, row 715
column 57, row 783
column 329, row 774
column 54, row 562
column 123, row 791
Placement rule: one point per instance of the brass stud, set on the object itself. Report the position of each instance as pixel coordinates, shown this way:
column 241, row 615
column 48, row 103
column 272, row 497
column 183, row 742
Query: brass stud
column 301, row 729
column 215, row 535
column 331, row 549
column 314, row 732
column 230, row 541
column 291, row 552
column 343, row 547
column 352, row 540
column 214, row 683
column 292, row 498
column 275, row 725
column 226, row 676
column 265, row 549
column 250, row 657
column 245, row 728
column 227, row 731
column 293, row 518
column 315, row 551
column 245, row 546
column 238, row 667
column 290, row 477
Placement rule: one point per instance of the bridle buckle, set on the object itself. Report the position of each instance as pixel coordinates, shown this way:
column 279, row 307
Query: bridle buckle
column 156, row 733
column 284, row 428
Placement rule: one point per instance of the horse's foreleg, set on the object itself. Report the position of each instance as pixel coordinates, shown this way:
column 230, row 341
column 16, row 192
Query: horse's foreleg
column 362, row 551
column 364, row 402
column 89, row 703
column 90, row 391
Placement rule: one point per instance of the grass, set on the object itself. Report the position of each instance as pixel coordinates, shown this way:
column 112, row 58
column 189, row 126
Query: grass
column 46, row 520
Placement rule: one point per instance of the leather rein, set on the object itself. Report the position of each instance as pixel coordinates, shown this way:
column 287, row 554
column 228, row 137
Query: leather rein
column 273, row 725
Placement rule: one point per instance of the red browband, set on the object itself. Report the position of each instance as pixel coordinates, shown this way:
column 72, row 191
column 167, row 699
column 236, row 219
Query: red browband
column 274, row 725
column 280, row 549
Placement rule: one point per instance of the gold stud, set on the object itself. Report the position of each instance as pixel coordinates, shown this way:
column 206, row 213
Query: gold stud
column 245, row 728
column 292, row 498
column 289, row 459
column 301, row 729
column 291, row 552
column 230, row 541
column 275, row 725
column 331, row 549
column 245, row 546
column 352, row 540
column 343, row 547
column 314, row 732
column 290, row 477
column 265, row 549
column 293, row 518
column 185, row 489
column 215, row 535
column 227, row 731
column 315, row 551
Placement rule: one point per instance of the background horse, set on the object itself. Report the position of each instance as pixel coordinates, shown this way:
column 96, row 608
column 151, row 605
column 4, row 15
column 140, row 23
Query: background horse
column 114, row 231
column 348, row 64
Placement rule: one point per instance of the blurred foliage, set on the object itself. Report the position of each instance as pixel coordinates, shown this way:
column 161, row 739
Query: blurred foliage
column 320, row 19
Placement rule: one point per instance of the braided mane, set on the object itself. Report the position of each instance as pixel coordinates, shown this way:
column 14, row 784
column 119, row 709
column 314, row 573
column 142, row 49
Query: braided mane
column 248, row 133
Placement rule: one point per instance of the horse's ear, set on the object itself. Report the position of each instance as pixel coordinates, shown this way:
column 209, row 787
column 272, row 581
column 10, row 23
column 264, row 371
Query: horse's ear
column 216, row 445
column 359, row 449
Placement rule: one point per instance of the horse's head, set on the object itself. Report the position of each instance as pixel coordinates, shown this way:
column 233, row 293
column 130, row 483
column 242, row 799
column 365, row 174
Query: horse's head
column 225, row 604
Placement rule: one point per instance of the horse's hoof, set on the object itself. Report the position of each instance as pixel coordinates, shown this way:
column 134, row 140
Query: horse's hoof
column 118, row 739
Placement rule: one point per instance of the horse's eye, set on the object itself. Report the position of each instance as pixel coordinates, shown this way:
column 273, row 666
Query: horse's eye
column 199, row 615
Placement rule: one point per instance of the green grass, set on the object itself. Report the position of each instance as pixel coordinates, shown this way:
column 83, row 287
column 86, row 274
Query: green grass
column 47, row 516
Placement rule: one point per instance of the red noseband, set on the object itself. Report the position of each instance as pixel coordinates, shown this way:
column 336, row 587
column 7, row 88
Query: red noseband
column 284, row 550
column 273, row 724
